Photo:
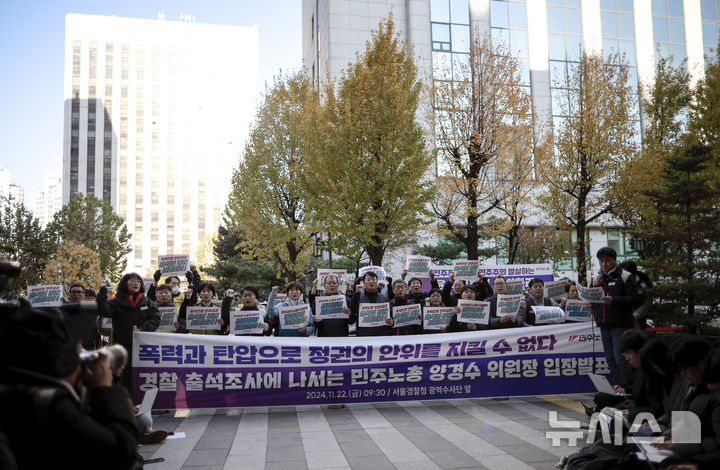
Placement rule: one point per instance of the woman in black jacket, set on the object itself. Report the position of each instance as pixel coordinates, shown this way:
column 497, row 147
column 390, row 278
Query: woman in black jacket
column 130, row 310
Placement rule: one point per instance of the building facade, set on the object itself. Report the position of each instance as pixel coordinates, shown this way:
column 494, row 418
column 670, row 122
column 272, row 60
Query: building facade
column 547, row 37
column 156, row 113
column 9, row 193
column 48, row 197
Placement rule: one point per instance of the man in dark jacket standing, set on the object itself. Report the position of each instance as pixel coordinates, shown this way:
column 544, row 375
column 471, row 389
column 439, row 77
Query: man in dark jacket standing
column 330, row 327
column 369, row 295
column 614, row 315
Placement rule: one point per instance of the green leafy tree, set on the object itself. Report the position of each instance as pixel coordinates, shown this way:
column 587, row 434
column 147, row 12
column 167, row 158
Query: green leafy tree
column 234, row 270
column 92, row 223
column 684, row 235
column 676, row 215
column 367, row 179
column 596, row 147
column 22, row 239
column 267, row 200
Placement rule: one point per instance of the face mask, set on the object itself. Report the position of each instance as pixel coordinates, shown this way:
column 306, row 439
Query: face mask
column 175, row 290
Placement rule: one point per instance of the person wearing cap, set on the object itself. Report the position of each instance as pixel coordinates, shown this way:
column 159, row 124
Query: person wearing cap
column 47, row 418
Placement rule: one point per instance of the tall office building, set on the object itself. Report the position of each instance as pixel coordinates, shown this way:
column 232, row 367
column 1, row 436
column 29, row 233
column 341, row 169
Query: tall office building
column 48, row 197
column 547, row 36
column 4, row 183
column 156, row 113
column 9, row 193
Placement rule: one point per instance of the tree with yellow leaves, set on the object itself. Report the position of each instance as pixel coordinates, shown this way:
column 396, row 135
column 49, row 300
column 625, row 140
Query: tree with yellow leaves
column 596, row 148
column 74, row 263
column 267, row 200
column 487, row 159
column 368, row 178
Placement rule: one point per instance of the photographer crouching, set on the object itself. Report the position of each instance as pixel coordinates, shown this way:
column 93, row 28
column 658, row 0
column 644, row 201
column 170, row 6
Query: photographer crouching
column 56, row 409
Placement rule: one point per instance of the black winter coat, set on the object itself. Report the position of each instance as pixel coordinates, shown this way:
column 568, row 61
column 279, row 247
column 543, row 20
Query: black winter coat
column 48, row 427
column 622, row 287
column 144, row 315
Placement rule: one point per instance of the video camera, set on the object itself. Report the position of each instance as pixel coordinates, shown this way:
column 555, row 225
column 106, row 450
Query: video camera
column 118, row 360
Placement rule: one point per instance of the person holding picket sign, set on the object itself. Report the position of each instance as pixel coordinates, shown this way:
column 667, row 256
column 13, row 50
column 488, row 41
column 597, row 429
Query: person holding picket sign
column 295, row 293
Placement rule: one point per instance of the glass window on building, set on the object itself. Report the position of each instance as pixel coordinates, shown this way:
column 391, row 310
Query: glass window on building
column 669, row 30
column 565, row 48
column 450, row 29
column 620, row 242
column 508, row 22
column 710, row 13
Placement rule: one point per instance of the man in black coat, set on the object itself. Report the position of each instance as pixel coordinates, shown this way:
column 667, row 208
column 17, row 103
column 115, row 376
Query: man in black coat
column 620, row 293
column 47, row 423
column 330, row 326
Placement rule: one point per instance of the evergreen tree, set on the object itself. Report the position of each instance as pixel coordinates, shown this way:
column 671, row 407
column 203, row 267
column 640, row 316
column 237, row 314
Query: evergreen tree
column 92, row 223
column 22, row 239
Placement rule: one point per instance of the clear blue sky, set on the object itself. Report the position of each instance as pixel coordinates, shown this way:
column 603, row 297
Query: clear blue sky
column 32, row 38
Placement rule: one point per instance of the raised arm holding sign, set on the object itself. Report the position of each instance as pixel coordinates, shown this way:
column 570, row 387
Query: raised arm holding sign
column 465, row 270
column 173, row 265
column 45, row 295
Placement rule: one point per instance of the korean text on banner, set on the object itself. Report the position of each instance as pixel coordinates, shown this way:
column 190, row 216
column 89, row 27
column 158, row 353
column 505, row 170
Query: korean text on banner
column 174, row 265
column 590, row 294
column 208, row 371
column 202, row 318
column 417, row 266
column 45, row 295
column 508, row 304
column 474, row 311
column 544, row 315
column 378, row 270
column 436, row 318
column 294, row 316
column 578, row 310
column 245, row 322
column 406, row 315
column 370, row 315
column 465, row 270
column 147, row 282
column 555, row 289
column 331, row 306
column 168, row 317
column 514, row 286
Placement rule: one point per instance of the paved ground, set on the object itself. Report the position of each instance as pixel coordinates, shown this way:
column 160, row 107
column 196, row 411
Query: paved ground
column 458, row 434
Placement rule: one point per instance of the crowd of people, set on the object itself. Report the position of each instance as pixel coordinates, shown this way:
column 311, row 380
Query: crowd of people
column 667, row 375
column 651, row 376
column 131, row 308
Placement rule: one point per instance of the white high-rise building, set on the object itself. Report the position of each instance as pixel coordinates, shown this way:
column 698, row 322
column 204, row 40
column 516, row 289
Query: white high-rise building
column 547, row 36
column 9, row 193
column 48, row 197
column 17, row 194
column 156, row 113
column 4, row 184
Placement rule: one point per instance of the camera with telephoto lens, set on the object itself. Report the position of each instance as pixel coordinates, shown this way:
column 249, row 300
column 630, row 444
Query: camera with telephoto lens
column 118, row 360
